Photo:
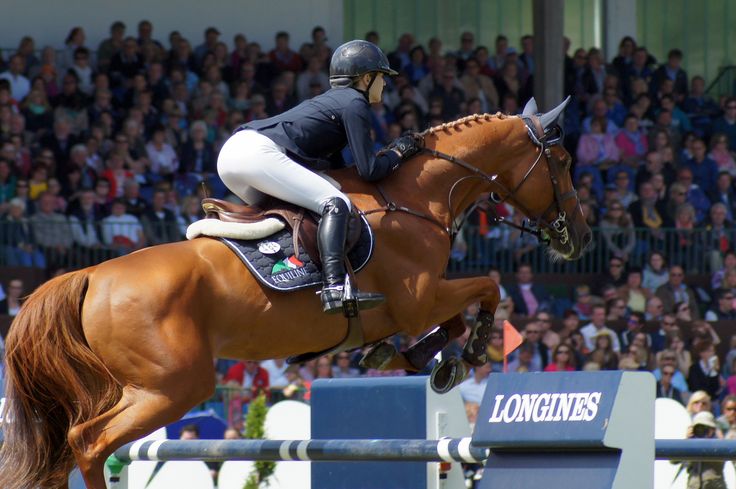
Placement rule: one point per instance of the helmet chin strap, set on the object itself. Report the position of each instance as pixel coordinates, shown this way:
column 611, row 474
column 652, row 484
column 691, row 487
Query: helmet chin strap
column 374, row 75
column 366, row 92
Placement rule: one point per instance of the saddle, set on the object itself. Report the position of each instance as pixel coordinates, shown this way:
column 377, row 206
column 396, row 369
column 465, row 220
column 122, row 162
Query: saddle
column 302, row 223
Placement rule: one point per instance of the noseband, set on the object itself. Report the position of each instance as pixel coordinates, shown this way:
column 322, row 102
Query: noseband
column 538, row 226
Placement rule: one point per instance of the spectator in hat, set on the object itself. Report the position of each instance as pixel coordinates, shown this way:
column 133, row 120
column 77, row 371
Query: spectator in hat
column 603, row 354
column 704, row 474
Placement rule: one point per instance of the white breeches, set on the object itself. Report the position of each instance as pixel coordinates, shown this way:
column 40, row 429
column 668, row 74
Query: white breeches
column 250, row 164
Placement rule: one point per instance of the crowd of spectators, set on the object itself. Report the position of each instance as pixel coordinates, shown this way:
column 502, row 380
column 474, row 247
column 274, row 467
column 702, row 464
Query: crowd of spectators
column 105, row 148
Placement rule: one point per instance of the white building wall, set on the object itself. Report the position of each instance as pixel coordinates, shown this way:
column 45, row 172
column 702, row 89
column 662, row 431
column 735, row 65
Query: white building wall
column 49, row 21
column 620, row 20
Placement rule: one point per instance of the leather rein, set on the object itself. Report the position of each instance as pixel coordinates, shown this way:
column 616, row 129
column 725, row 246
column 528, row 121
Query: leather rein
column 541, row 228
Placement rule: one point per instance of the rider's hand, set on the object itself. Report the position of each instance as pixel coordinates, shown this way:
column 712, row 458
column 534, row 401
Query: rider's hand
column 406, row 146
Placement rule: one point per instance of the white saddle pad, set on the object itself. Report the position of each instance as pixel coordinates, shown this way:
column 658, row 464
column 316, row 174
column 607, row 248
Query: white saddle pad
column 234, row 230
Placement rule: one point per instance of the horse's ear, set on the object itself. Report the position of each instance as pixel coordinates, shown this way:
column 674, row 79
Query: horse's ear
column 530, row 108
column 549, row 118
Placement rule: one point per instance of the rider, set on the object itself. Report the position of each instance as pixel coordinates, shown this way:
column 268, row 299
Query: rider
column 278, row 156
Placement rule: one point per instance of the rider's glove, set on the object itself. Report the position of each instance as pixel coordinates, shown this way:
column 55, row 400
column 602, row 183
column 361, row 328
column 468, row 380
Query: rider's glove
column 406, row 146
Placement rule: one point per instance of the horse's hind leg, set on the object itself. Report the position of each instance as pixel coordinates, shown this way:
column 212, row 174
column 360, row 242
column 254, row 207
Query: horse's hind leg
column 423, row 351
column 385, row 357
column 139, row 412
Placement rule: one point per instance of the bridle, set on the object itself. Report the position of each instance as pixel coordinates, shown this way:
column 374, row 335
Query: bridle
column 538, row 226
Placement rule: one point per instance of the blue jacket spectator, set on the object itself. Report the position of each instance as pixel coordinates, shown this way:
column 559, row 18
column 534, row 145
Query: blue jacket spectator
column 727, row 123
column 679, row 118
column 527, row 296
column 703, row 168
column 671, row 71
column 699, row 107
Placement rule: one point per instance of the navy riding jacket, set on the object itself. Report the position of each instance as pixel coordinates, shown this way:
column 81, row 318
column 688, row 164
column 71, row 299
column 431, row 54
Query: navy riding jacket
column 314, row 133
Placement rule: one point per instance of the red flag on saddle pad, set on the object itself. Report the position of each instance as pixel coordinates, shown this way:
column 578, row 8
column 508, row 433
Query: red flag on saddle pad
column 511, row 341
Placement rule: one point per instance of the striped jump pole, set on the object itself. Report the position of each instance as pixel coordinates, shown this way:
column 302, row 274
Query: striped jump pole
column 445, row 450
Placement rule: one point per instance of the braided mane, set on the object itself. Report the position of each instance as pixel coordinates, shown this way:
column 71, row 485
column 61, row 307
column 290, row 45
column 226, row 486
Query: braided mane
column 432, row 131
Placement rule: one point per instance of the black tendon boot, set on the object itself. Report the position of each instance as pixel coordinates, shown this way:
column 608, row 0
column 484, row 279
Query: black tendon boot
column 331, row 236
column 475, row 349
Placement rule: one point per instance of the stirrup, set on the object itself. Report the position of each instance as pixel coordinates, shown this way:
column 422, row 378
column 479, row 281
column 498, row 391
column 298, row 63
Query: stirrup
column 342, row 298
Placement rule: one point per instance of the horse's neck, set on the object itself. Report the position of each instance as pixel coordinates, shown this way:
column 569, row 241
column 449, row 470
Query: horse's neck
column 489, row 145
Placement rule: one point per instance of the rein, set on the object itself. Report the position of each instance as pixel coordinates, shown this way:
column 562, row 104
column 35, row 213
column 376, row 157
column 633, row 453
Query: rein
column 557, row 228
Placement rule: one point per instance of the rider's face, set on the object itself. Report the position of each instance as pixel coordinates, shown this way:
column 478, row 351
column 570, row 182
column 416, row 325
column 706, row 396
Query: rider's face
column 376, row 92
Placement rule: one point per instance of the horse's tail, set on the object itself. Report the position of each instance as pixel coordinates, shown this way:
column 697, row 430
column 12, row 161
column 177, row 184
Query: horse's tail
column 53, row 382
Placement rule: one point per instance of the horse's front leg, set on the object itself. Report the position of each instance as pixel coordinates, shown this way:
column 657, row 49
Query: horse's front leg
column 454, row 296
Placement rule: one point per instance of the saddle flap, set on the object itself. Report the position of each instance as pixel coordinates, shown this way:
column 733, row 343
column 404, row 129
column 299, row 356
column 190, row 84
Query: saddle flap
column 276, row 263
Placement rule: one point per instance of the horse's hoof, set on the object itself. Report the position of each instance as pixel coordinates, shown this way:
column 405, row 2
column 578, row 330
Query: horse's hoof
column 378, row 356
column 446, row 375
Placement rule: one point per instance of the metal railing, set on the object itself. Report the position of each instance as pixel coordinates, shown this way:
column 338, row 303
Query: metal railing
column 697, row 250
column 724, row 83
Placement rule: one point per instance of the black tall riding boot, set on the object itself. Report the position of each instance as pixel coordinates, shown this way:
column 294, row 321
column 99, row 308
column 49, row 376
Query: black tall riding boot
column 331, row 236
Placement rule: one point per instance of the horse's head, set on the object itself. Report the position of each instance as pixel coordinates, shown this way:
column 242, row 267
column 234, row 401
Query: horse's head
column 540, row 185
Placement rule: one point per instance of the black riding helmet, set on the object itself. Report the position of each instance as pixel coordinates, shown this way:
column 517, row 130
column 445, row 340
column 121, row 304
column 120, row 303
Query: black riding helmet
column 354, row 59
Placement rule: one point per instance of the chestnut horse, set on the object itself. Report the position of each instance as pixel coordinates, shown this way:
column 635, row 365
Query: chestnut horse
column 103, row 356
